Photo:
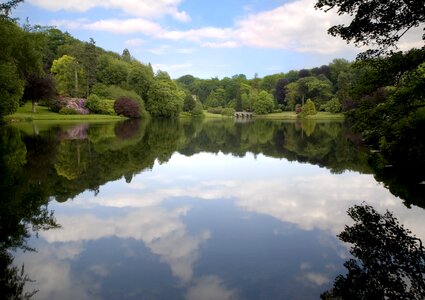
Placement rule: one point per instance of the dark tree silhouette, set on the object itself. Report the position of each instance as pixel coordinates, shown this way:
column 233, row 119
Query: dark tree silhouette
column 390, row 261
column 381, row 23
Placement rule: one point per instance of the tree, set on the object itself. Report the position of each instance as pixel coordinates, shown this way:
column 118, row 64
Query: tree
column 189, row 103
column 380, row 23
column 280, row 91
column 6, row 8
column 140, row 78
column 69, row 76
column 216, row 98
column 38, row 87
column 389, row 264
column 111, row 70
column 309, row 108
column 20, row 55
column 89, row 62
column 263, row 103
column 164, row 99
column 304, row 73
column 126, row 56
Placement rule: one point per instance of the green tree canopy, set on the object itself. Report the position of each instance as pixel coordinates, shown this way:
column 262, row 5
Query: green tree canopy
column 69, row 76
column 263, row 103
column 164, row 99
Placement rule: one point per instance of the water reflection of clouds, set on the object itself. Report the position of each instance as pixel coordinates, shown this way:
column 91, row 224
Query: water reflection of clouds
column 306, row 195
column 160, row 230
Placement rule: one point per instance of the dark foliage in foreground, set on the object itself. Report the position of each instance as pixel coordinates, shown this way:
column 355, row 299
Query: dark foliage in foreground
column 389, row 264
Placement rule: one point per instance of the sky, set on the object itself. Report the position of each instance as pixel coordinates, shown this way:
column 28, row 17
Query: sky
column 203, row 38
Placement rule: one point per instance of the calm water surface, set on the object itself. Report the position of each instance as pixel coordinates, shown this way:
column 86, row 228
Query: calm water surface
column 187, row 210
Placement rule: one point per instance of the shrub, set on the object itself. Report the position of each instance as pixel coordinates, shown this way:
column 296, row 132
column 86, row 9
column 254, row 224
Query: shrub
column 77, row 104
column 309, row 108
column 106, row 107
column 228, row 112
column 127, row 107
column 215, row 110
column 68, row 111
column 92, row 103
column 198, row 110
column 57, row 104
column 332, row 106
column 189, row 103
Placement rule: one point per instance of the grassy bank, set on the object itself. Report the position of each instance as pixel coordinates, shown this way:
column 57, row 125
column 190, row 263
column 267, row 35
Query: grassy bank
column 286, row 115
column 290, row 115
column 24, row 114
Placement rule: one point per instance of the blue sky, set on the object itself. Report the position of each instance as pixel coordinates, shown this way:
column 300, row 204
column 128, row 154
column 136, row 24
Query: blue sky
column 203, row 38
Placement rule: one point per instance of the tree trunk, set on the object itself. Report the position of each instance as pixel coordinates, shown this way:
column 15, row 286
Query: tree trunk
column 76, row 83
column 33, row 106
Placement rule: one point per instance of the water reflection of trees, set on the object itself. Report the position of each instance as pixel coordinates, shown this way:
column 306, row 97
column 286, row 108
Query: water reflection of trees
column 389, row 262
column 23, row 207
column 65, row 167
column 64, row 163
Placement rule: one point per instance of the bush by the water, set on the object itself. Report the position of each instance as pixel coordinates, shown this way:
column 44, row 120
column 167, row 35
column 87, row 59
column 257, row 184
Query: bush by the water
column 309, row 108
column 127, row 107
column 198, row 110
column 228, row 111
column 332, row 106
column 68, row 111
column 75, row 104
column 97, row 105
column 215, row 110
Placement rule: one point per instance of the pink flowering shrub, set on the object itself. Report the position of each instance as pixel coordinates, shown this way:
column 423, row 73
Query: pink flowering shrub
column 65, row 104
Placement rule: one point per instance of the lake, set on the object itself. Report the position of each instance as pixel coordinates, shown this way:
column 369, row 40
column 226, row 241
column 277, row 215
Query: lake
column 189, row 209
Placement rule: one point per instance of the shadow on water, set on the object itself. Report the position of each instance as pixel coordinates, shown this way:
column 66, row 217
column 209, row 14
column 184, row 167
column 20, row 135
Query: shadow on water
column 389, row 261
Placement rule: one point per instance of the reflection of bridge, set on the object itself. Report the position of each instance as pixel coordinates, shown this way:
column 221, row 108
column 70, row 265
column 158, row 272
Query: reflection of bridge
column 243, row 115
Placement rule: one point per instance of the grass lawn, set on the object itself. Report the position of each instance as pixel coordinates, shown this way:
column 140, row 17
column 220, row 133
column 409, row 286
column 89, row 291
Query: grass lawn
column 214, row 116
column 24, row 114
column 290, row 115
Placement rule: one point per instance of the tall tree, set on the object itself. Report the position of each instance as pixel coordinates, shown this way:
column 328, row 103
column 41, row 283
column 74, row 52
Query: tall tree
column 89, row 62
column 280, row 91
column 69, row 76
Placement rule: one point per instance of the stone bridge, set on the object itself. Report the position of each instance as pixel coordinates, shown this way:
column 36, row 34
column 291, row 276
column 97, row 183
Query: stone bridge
column 243, row 115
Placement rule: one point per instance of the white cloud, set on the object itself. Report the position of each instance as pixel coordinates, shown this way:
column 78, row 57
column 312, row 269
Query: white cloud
column 227, row 44
column 294, row 26
column 123, row 26
column 211, row 288
column 134, row 42
column 160, row 50
column 140, row 8
column 171, row 67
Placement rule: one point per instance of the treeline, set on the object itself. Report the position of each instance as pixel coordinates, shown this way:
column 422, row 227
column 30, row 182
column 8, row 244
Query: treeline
column 326, row 86
column 43, row 63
